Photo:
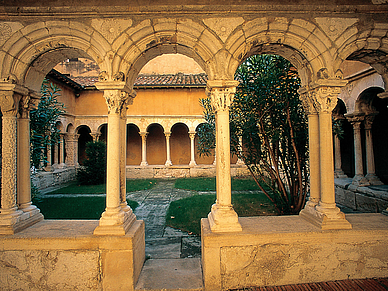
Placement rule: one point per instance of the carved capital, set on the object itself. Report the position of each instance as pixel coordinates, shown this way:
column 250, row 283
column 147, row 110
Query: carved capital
column 143, row 134
column 355, row 119
column 221, row 93
column 192, row 134
column 116, row 100
column 8, row 103
column 308, row 102
column 167, row 134
column 369, row 120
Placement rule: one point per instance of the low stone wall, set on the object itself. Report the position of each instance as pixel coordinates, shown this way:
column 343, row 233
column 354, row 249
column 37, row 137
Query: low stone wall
column 44, row 181
column 363, row 199
column 65, row 255
column 148, row 172
column 286, row 250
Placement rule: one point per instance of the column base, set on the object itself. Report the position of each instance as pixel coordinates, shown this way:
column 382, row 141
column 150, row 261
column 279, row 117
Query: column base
column 17, row 220
column 192, row 164
column 360, row 181
column 223, row 219
column 168, row 164
column 143, row 164
column 325, row 218
column 340, row 174
column 115, row 223
column 373, row 179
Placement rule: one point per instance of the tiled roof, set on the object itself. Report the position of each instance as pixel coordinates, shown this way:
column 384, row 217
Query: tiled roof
column 156, row 81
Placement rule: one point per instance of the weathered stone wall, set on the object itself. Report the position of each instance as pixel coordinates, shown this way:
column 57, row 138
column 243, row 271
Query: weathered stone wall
column 364, row 199
column 288, row 250
column 47, row 180
column 64, row 255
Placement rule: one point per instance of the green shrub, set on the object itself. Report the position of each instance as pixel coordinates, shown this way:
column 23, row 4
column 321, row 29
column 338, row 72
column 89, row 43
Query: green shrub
column 93, row 172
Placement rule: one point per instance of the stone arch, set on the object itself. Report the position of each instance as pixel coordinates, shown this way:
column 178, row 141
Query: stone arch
column 156, row 145
column 133, row 144
column 365, row 99
column 296, row 40
column 356, row 40
column 32, row 51
column 70, row 128
column 103, row 130
column 84, row 137
column 180, row 144
column 152, row 38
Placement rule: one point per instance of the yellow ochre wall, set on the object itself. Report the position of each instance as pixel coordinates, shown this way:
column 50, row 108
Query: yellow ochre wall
column 147, row 102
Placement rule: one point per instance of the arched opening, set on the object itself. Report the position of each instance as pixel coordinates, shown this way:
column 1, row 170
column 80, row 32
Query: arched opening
column 103, row 132
column 156, row 145
column 180, row 144
column 83, row 139
column 133, row 145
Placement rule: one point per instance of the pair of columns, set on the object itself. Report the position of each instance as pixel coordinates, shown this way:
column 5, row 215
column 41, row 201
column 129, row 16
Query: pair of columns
column 118, row 216
column 359, row 179
column 168, row 160
column 319, row 100
column 17, row 211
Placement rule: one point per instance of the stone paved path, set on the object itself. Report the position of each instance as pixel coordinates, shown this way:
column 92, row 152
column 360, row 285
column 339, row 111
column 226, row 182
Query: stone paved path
column 164, row 242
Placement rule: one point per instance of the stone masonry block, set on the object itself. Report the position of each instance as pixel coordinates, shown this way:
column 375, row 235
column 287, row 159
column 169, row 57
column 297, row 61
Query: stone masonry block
column 254, row 27
column 78, row 26
column 235, row 41
column 348, row 36
column 299, row 31
column 121, row 44
column 306, row 25
column 373, row 43
column 117, row 269
column 320, row 46
column 210, row 42
column 366, row 203
column 142, row 30
column 18, row 46
column 165, row 24
column 279, row 24
column 189, row 27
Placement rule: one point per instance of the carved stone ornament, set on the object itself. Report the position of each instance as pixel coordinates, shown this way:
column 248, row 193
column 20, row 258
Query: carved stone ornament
column 25, row 107
column 8, row 105
column 308, row 103
column 119, row 76
column 116, row 100
column 103, row 76
column 222, row 98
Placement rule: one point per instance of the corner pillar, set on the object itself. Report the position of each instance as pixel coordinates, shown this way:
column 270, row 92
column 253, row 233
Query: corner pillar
column 114, row 220
column 222, row 217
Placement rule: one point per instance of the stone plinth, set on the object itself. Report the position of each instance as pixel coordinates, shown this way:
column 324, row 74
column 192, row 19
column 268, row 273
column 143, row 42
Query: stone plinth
column 65, row 255
column 281, row 250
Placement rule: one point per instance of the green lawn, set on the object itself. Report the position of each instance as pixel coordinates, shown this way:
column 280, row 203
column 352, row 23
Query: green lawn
column 74, row 207
column 186, row 214
column 209, row 184
column 132, row 185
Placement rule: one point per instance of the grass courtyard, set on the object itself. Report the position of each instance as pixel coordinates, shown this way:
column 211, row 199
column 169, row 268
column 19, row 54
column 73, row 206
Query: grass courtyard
column 184, row 214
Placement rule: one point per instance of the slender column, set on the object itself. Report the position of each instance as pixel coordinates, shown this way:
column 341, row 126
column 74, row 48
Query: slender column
column 114, row 221
column 222, row 217
column 314, row 156
column 48, row 167
column 358, row 180
column 192, row 149
column 62, row 151
column 323, row 98
column 338, row 172
column 56, row 154
column 143, row 149
column 95, row 136
column 168, row 160
column 370, row 157
column 239, row 160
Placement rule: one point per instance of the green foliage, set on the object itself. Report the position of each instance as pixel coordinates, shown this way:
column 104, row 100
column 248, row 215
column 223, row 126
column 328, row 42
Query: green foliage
column 93, row 171
column 186, row 213
column 268, row 115
column 44, row 132
column 85, row 207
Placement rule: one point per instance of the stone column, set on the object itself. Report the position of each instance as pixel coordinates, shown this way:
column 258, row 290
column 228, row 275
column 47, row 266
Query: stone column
column 23, row 162
column 240, row 144
column 323, row 95
column 168, row 160
column 13, row 219
column 123, row 158
column 143, row 149
column 114, row 221
column 192, row 149
column 370, row 157
column 358, row 180
column 71, row 149
column 95, row 136
column 222, row 217
column 48, row 167
column 309, row 105
column 62, row 151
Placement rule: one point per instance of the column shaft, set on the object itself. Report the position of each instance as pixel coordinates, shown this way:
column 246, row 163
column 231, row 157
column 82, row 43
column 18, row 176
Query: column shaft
column 192, row 149
column 168, row 160
column 370, row 157
column 143, row 149
column 314, row 159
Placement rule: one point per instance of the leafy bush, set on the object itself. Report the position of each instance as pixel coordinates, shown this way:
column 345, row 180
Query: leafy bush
column 93, row 172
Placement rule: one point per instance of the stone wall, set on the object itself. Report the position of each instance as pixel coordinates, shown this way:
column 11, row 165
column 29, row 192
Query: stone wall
column 363, row 199
column 286, row 250
column 44, row 181
column 65, row 255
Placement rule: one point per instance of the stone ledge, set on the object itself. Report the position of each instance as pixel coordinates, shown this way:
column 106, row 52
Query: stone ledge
column 288, row 250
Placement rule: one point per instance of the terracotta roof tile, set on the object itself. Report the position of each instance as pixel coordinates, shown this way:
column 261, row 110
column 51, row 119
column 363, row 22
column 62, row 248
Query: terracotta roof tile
column 167, row 80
